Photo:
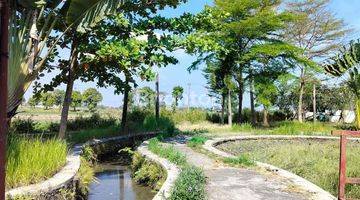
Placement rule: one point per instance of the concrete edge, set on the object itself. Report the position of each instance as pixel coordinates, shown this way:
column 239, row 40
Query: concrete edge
column 172, row 171
column 67, row 173
column 317, row 192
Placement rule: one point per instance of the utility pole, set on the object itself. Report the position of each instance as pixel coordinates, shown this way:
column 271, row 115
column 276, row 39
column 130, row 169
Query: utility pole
column 314, row 102
column 4, row 57
column 157, row 106
column 189, row 93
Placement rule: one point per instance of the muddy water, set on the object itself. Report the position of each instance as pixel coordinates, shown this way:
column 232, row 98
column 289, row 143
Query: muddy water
column 114, row 183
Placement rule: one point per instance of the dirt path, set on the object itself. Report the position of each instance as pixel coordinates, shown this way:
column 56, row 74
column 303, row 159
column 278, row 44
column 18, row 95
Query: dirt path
column 228, row 183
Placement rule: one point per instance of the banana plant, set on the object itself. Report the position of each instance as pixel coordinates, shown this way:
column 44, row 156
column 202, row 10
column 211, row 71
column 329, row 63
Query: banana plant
column 347, row 63
column 32, row 23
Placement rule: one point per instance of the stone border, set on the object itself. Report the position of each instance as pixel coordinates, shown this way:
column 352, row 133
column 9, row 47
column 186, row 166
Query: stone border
column 172, row 171
column 317, row 192
column 66, row 175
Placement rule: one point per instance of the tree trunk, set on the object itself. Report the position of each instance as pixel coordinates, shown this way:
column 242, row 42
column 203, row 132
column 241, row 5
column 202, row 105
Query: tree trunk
column 4, row 53
column 265, row 119
column 157, row 103
column 314, row 103
column 252, row 102
column 68, row 92
column 301, row 94
column 125, row 107
column 222, row 120
column 240, row 97
column 229, row 109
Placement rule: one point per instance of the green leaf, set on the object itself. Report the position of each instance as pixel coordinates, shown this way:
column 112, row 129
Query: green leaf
column 86, row 13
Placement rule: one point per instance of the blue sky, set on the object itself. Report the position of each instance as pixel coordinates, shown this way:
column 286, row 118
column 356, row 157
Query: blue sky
column 174, row 75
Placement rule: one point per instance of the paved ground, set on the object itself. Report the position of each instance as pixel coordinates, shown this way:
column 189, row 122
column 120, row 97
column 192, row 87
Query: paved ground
column 228, row 183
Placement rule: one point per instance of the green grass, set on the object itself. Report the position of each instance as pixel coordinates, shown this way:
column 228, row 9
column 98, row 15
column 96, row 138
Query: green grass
column 196, row 141
column 82, row 136
column 30, row 160
column 315, row 160
column 168, row 152
column 241, row 160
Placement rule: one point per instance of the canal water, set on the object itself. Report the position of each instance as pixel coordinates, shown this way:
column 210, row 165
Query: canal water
column 114, row 183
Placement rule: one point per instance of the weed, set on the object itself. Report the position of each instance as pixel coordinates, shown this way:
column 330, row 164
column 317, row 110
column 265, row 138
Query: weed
column 190, row 185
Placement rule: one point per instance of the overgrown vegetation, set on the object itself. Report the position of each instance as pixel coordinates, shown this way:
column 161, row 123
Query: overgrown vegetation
column 315, row 160
column 147, row 173
column 190, row 184
column 196, row 141
column 241, row 160
column 30, row 160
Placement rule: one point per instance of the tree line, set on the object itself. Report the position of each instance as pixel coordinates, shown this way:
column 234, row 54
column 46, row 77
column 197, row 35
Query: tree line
column 253, row 46
column 89, row 98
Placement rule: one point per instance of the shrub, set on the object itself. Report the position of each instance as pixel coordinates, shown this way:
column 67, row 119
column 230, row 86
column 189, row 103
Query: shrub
column 190, row 185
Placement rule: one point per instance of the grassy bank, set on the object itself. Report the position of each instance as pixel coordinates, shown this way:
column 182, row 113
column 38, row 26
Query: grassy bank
column 315, row 160
column 191, row 181
column 30, row 160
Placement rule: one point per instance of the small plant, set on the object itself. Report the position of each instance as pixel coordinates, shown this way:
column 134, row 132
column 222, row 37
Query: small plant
column 242, row 160
column 190, row 185
column 196, row 141
column 89, row 154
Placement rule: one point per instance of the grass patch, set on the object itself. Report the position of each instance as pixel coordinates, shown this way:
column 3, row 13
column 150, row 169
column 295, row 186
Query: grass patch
column 85, row 175
column 315, row 160
column 31, row 160
column 168, row 152
column 242, row 160
column 196, row 141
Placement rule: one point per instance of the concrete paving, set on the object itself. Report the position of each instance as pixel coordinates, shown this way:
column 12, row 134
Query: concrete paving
column 229, row 183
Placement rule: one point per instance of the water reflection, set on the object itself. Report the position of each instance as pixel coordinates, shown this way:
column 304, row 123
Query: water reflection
column 114, row 183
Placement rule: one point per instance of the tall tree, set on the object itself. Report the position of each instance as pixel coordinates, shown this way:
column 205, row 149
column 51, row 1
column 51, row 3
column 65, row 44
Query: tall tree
column 177, row 94
column 238, row 29
column 318, row 32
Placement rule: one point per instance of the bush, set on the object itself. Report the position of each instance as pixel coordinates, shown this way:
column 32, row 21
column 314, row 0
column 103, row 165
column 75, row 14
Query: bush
column 28, row 126
column 190, row 185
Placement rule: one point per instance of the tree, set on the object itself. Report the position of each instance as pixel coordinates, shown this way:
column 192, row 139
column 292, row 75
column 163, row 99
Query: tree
column 31, row 28
column 177, row 94
column 266, row 93
column 33, row 101
column 91, row 98
column 59, row 97
column 237, row 31
column 318, row 32
column 76, row 99
column 346, row 63
column 147, row 96
column 48, row 100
